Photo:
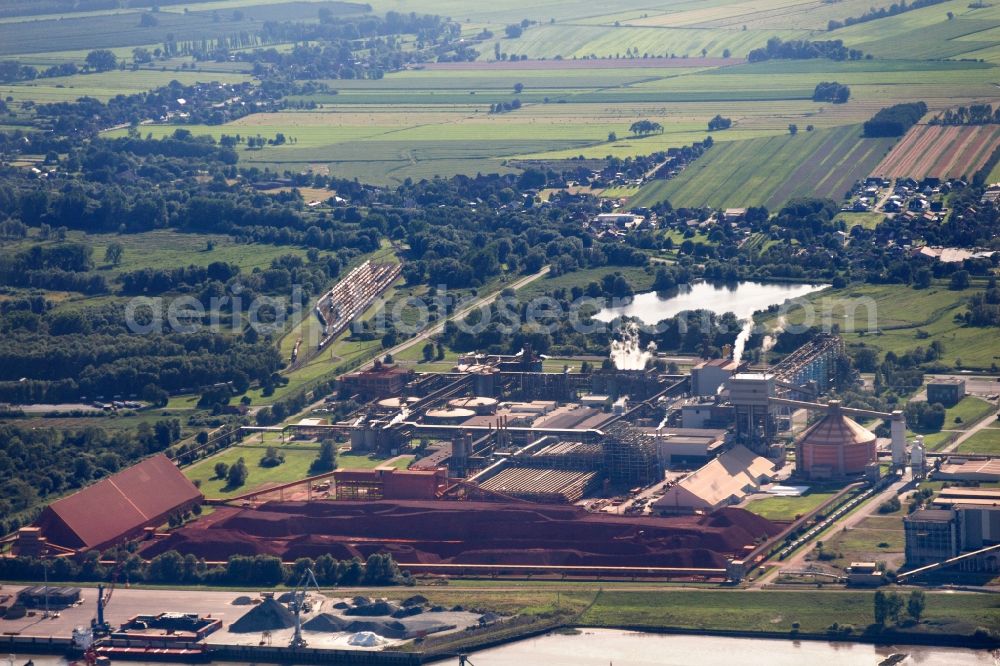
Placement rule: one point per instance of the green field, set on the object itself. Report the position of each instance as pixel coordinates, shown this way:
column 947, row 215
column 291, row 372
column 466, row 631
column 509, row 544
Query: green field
column 897, row 317
column 122, row 29
column 161, row 249
column 866, row 220
column 985, row 441
column 296, row 466
column 641, row 280
column 768, row 172
column 788, row 508
column 769, row 610
column 425, row 122
column 967, row 412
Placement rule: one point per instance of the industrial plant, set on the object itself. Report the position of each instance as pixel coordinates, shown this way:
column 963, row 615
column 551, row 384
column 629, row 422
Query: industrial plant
column 497, row 468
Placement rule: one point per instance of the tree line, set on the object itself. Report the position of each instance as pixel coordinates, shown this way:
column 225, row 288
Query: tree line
column 803, row 49
column 895, row 120
column 172, row 568
column 874, row 14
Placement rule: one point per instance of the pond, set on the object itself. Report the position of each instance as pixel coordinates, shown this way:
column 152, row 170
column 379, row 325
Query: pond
column 740, row 298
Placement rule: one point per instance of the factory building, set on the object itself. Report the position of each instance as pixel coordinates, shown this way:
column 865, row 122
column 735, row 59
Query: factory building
column 960, row 520
column 946, row 390
column 685, row 446
column 381, row 381
column 969, row 469
column 390, row 484
column 705, row 413
column 119, row 507
column 835, row 447
column 979, row 514
column 756, row 425
column 722, row 482
column 931, row 536
column 708, row 376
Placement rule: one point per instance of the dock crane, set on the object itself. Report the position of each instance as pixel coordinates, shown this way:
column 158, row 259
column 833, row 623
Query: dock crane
column 99, row 625
column 298, row 603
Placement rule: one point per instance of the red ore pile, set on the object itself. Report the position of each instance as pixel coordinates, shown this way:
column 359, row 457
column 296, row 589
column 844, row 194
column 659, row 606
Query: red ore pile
column 443, row 532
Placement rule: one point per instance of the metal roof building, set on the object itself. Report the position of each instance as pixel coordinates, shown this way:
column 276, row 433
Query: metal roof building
column 119, row 507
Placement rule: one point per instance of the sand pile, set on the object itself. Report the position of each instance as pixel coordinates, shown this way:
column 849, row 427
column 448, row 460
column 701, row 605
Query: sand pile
column 373, row 609
column 269, row 615
column 326, row 622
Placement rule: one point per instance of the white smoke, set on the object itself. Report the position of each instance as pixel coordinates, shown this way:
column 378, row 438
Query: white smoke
column 398, row 418
column 741, row 340
column 771, row 338
column 626, row 353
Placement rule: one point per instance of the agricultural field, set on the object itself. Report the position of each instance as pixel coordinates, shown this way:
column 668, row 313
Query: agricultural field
column 812, row 15
column 928, row 33
column 770, row 171
column 940, row 151
column 124, row 29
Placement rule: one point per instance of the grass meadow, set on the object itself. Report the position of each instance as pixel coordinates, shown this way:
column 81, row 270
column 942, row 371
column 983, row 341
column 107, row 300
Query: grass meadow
column 891, row 318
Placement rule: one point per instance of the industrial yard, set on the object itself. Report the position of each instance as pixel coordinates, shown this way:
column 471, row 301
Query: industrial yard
column 734, row 474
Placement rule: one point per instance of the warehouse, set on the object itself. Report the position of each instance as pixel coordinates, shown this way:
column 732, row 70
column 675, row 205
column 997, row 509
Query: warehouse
column 119, row 507
column 378, row 484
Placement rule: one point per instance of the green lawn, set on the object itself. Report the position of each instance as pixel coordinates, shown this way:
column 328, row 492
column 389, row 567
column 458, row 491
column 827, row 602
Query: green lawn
column 358, row 461
column 985, row 441
column 866, row 220
column 788, row 508
column 298, row 457
column 967, row 412
column 295, row 467
column 936, row 441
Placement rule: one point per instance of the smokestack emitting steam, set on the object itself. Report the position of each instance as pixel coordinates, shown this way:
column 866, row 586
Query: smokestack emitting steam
column 741, row 340
column 626, row 353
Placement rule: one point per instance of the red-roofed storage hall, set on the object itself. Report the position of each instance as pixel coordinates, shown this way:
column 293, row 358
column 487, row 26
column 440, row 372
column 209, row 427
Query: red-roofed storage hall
column 119, row 507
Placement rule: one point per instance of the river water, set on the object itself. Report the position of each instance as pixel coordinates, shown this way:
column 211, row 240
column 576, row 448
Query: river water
column 740, row 298
column 604, row 647
column 614, row 647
